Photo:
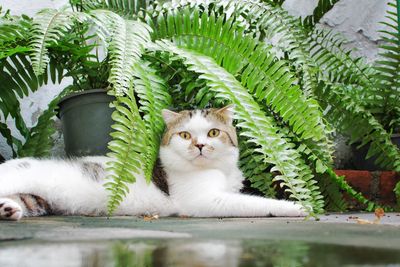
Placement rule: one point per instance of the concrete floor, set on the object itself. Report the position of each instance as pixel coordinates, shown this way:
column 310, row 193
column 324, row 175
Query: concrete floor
column 133, row 241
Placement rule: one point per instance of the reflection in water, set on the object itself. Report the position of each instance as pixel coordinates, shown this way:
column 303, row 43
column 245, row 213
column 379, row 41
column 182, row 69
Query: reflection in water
column 241, row 254
column 177, row 253
column 260, row 253
column 130, row 255
column 191, row 252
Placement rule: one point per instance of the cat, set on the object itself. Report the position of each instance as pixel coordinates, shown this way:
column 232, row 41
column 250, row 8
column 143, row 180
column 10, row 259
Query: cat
column 199, row 178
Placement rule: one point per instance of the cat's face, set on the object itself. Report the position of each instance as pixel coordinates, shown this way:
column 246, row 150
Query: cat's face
column 199, row 138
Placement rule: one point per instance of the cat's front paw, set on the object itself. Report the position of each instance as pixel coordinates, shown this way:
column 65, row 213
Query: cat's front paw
column 299, row 210
column 291, row 209
column 10, row 210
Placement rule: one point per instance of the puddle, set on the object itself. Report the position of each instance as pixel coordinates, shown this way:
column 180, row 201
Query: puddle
column 184, row 252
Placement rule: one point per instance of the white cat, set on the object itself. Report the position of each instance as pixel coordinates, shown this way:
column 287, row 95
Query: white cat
column 199, row 156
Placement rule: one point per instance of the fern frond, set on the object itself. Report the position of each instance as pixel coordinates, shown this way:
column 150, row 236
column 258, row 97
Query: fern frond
column 153, row 97
column 287, row 32
column 39, row 143
column 18, row 79
column 19, row 69
column 14, row 32
column 9, row 103
column 362, row 127
column 86, row 5
column 275, row 2
column 336, row 63
column 186, row 89
column 320, row 10
column 340, row 181
column 13, row 142
column 259, row 129
column 125, row 39
column 49, row 25
column 331, row 191
column 125, row 7
column 258, row 174
column 387, row 91
column 127, row 148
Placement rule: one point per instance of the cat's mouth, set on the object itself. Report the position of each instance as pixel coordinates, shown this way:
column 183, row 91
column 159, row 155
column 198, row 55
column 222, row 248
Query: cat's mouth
column 200, row 156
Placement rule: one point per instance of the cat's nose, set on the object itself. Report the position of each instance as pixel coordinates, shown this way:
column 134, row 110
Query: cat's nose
column 199, row 146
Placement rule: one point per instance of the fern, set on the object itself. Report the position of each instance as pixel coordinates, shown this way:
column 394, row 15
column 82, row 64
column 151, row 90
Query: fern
column 290, row 38
column 11, row 140
column 136, row 141
column 19, row 69
column 49, row 25
column 13, row 35
column 276, row 2
column 335, row 63
column 258, row 128
column 331, row 190
column 154, row 97
column 125, row 39
column 16, row 75
column 126, row 7
column 127, row 147
column 320, row 10
column 39, row 142
column 18, row 79
column 387, row 93
column 363, row 126
column 257, row 174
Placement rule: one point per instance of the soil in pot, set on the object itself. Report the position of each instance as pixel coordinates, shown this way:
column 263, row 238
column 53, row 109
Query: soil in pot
column 86, row 122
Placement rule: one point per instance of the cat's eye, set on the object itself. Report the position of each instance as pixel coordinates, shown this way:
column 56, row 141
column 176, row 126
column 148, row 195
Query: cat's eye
column 185, row 135
column 213, row 133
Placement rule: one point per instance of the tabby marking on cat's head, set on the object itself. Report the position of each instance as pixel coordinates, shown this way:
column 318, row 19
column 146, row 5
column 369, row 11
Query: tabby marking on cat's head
column 199, row 137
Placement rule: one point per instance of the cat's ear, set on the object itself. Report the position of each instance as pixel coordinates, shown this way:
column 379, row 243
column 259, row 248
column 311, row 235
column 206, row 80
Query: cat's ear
column 169, row 116
column 227, row 112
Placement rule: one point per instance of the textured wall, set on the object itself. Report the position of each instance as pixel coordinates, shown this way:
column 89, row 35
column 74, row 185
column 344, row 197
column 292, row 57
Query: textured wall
column 357, row 20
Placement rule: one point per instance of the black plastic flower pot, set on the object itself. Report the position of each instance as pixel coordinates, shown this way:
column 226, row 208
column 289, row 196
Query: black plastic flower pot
column 359, row 156
column 86, row 122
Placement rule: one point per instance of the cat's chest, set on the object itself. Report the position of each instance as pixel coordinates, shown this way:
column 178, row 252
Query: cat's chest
column 198, row 182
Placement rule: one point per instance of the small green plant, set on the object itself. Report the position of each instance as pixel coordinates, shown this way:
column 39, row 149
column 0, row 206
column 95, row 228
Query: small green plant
column 289, row 95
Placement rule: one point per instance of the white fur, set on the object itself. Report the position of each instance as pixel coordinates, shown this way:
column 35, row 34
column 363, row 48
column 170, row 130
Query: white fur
column 63, row 185
column 204, row 185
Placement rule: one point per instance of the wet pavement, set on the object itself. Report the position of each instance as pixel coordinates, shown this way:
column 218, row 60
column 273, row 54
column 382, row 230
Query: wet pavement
column 334, row 240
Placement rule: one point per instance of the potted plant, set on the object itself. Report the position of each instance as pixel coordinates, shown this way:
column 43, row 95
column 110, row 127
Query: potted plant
column 61, row 45
column 201, row 54
column 85, row 111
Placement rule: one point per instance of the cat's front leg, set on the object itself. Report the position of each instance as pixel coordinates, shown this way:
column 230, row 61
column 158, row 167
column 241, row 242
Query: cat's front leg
column 223, row 204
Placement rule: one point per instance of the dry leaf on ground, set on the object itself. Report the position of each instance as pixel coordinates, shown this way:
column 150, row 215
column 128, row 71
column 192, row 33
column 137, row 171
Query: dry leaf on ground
column 150, row 218
column 379, row 213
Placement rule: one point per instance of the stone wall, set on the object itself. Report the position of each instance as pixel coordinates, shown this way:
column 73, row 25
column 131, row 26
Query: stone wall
column 358, row 21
